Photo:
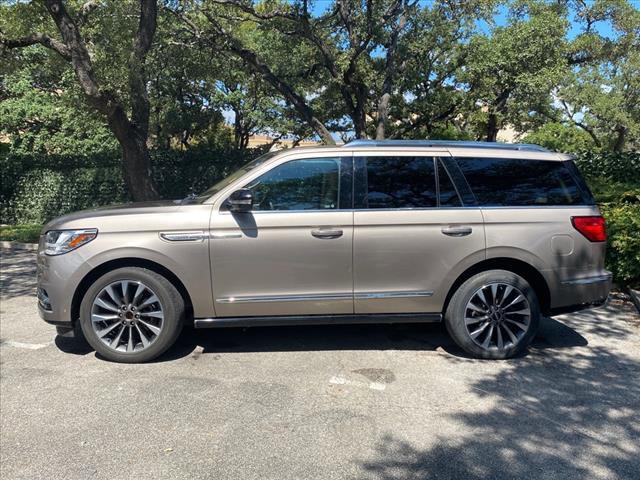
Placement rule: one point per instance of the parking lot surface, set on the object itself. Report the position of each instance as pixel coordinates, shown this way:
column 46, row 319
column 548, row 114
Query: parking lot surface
column 316, row 402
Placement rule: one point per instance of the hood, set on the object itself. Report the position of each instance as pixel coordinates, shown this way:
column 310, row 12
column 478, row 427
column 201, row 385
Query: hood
column 84, row 218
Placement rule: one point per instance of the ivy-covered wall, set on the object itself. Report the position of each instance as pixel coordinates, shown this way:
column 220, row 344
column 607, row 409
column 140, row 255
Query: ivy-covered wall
column 36, row 189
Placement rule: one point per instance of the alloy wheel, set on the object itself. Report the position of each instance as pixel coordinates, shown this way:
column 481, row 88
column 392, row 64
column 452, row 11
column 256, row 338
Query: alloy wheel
column 497, row 316
column 127, row 316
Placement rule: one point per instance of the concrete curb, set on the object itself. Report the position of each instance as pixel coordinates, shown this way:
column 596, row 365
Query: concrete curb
column 32, row 247
column 635, row 297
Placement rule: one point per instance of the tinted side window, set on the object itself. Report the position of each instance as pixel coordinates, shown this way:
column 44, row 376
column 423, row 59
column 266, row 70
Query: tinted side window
column 517, row 182
column 306, row 184
column 399, row 182
column 448, row 194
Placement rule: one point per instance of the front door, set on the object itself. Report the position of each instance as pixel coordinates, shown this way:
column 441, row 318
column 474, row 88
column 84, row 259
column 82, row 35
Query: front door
column 292, row 254
column 411, row 230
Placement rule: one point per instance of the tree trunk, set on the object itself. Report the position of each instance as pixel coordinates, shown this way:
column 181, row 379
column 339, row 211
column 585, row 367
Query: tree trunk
column 135, row 157
column 500, row 106
column 131, row 134
column 383, row 115
column 137, row 171
column 618, row 145
column 492, row 128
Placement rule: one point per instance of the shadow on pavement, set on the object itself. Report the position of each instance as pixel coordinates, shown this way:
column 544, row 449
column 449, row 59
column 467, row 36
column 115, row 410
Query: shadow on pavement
column 17, row 276
column 565, row 414
column 429, row 337
column 567, row 410
column 553, row 418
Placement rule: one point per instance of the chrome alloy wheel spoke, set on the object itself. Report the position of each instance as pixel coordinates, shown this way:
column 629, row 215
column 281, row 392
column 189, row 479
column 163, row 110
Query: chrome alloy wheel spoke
column 497, row 316
column 127, row 316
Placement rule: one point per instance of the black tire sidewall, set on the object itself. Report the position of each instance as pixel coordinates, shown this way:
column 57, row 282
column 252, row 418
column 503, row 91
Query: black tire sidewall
column 172, row 306
column 455, row 313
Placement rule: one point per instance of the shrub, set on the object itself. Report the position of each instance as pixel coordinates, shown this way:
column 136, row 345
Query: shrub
column 623, row 249
column 20, row 233
column 36, row 189
column 610, row 167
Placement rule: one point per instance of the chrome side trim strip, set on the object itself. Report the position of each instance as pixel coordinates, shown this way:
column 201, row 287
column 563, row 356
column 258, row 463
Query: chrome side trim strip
column 588, row 280
column 285, row 298
column 323, row 296
column 219, row 235
column 196, row 236
column 345, row 319
column 400, row 294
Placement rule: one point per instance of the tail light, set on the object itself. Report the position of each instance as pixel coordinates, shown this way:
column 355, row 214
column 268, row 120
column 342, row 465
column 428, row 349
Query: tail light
column 593, row 228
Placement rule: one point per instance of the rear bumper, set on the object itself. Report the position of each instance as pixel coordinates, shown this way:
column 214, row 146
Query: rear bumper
column 581, row 292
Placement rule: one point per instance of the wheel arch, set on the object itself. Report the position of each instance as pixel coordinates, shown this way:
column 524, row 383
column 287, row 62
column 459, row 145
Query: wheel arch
column 110, row 265
column 519, row 267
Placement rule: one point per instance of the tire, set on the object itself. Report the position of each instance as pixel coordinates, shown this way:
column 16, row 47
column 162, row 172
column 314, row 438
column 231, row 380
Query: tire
column 146, row 324
column 498, row 305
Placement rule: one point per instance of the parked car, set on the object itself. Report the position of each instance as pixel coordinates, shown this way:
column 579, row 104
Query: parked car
column 486, row 237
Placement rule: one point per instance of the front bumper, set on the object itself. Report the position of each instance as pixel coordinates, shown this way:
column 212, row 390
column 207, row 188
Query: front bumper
column 57, row 280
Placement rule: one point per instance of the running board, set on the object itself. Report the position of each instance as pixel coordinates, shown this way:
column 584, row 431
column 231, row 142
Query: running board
column 317, row 320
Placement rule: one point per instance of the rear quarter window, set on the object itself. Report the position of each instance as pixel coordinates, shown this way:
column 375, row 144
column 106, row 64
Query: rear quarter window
column 522, row 182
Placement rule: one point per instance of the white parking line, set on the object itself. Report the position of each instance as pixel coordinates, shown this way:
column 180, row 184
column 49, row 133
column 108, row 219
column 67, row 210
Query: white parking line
column 28, row 346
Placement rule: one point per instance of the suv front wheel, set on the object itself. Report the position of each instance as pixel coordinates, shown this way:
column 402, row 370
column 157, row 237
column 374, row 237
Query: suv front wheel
column 494, row 314
column 131, row 315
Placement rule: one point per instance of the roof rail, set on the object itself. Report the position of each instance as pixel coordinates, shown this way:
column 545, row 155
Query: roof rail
column 445, row 143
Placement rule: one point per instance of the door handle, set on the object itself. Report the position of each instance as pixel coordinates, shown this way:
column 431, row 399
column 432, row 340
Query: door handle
column 457, row 231
column 326, row 232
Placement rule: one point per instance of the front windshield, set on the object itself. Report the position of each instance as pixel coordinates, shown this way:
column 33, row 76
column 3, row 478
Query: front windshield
column 234, row 176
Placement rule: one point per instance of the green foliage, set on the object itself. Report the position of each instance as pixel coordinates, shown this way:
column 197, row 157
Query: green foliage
column 41, row 112
column 623, row 249
column 20, row 233
column 611, row 167
column 614, row 180
column 38, row 188
column 601, row 94
column 512, row 70
column 559, row 137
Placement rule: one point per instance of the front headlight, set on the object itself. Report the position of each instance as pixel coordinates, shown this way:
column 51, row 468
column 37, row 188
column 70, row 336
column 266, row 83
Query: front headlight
column 58, row 242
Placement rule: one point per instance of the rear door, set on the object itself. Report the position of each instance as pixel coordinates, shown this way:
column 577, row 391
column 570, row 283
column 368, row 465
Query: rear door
column 411, row 231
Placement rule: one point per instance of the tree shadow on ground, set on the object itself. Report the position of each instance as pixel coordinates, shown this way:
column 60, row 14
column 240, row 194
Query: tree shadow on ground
column 562, row 414
column 17, row 273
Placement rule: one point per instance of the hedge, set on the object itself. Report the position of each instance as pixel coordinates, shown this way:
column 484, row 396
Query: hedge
column 36, row 189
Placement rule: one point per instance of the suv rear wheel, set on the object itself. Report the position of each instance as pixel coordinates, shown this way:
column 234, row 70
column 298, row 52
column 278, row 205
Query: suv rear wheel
column 494, row 314
column 131, row 315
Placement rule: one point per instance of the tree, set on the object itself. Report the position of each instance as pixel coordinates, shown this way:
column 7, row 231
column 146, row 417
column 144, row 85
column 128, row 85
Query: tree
column 511, row 72
column 560, row 137
column 430, row 95
column 601, row 94
column 41, row 113
column 131, row 130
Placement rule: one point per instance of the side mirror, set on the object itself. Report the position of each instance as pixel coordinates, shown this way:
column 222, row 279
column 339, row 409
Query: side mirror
column 240, row 201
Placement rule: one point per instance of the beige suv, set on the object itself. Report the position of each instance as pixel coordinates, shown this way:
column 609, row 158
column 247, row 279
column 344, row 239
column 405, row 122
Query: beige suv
column 486, row 237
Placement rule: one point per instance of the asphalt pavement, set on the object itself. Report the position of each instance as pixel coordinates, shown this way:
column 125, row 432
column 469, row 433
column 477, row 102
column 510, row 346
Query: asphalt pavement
column 318, row 402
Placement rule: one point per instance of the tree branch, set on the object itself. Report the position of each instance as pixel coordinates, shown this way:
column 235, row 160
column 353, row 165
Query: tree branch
column 137, row 73
column 259, row 66
column 86, row 10
column 583, row 126
column 38, row 38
